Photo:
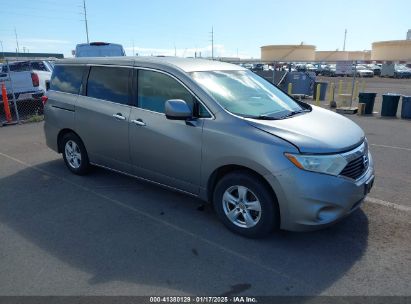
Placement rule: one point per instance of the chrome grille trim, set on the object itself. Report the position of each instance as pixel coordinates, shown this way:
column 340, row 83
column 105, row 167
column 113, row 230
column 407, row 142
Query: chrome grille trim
column 358, row 162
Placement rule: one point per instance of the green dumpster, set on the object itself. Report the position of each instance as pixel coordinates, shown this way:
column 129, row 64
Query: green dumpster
column 368, row 99
column 406, row 107
column 323, row 89
column 390, row 104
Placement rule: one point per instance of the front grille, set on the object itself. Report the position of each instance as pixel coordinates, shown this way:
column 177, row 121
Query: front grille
column 356, row 167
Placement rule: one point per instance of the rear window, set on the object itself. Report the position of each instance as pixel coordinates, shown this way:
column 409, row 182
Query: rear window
column 109, row 83
column 17, row 67
column 67, row 79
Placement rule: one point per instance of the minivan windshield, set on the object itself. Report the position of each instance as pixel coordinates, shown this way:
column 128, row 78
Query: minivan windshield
column 246, row 94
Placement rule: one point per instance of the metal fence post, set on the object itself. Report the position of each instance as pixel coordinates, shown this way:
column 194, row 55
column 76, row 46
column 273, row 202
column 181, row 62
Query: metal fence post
column 12, row 93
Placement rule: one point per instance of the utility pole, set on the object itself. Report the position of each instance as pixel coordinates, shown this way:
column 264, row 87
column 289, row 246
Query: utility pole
column 345, row 38
column 17, row 41
column 85, row 18
column 212, row 43
column 2, row 50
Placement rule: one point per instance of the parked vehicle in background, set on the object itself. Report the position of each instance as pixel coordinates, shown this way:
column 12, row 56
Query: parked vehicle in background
column 99, row 49
column 257, row 67
column 213, row 130
column 320, row 69
column 362, row 71
column 306, row 68
column 247, row 66
column 395, row 70
column 375, row 68
column 27, row 82
column 329, row 70
column 402, row 71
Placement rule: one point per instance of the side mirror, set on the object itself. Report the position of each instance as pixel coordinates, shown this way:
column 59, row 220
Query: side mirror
column 177, row 109
column 47, row 85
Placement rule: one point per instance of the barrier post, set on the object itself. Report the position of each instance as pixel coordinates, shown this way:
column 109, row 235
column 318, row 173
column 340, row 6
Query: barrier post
column 363, row 86
column 349, row 87
column 330, row 92
column 5, row 102
column 340, row 85
column 317, row 96
column 356, row 89
column 290, row 88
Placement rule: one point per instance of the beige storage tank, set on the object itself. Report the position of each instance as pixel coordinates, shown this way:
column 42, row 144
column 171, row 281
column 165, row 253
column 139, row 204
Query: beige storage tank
column 394, row 50
column 270, row 53
column 356, row 55
column 342, row 55
column 331, row 55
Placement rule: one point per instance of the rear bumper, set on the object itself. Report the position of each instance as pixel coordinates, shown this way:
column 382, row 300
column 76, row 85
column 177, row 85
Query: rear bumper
column 310, row 201
column 26, row 95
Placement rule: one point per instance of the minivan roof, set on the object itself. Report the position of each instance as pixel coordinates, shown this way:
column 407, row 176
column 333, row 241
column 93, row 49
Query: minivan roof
column 185, row 64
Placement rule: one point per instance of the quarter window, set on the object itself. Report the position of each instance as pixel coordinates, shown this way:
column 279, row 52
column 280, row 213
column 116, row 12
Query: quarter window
column 67, row 79
column 109, row 83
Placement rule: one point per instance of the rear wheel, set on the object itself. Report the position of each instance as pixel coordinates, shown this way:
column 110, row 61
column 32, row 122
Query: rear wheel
column 75, row 154
column 245, row 205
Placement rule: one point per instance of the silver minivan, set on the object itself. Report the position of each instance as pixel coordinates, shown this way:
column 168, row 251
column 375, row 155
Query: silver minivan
column 215, row 131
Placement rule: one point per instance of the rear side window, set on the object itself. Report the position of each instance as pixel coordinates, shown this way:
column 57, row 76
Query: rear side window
column 67, row 79
column 109, row 83
column 38, row 66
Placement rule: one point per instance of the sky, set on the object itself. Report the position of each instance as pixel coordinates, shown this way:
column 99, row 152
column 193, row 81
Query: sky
column 183, row 27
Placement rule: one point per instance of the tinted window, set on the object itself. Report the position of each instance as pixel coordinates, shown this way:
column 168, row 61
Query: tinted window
column 109, row 83
column 17, row 67
column 155, row 88
column 67, row 78
column 38, row 66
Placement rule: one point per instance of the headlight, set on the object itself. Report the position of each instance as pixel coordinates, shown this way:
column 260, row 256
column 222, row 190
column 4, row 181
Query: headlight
column 328, row 164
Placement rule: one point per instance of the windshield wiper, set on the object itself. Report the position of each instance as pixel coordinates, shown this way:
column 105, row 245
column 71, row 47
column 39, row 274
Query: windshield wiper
column 262, row 117
column 292, row 113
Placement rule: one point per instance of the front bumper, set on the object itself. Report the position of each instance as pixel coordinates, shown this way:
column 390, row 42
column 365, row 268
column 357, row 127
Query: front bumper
column 310, row 201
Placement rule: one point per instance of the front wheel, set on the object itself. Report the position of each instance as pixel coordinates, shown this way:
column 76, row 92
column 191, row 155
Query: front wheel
column 75, row 154
column 246, row 205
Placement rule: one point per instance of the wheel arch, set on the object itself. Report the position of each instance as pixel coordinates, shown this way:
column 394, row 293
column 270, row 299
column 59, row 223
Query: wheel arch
column 222, row 171
column 60, row 137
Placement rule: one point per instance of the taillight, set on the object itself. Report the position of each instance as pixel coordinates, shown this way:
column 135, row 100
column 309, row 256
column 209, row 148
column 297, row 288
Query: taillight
column 35, row 79
column 44, row 99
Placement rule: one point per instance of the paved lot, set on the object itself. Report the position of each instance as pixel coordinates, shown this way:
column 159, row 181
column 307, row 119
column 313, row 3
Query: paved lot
column 107, row 234
column 375, row 85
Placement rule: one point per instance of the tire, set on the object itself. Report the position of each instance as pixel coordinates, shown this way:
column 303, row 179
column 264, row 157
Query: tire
column 263, row 221
column 77, row 162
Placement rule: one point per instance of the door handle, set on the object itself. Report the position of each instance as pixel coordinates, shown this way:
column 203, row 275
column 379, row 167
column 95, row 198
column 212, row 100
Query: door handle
column 119, row 116
column 139, row 122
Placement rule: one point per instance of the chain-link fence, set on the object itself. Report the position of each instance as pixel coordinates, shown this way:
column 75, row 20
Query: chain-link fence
column 23, row 84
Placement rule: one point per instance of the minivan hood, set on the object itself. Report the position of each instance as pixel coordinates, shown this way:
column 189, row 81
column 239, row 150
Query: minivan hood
column 318, row 131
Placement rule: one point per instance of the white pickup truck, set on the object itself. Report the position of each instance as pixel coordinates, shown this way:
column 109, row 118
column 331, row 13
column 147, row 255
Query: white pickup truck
column 27, row 79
